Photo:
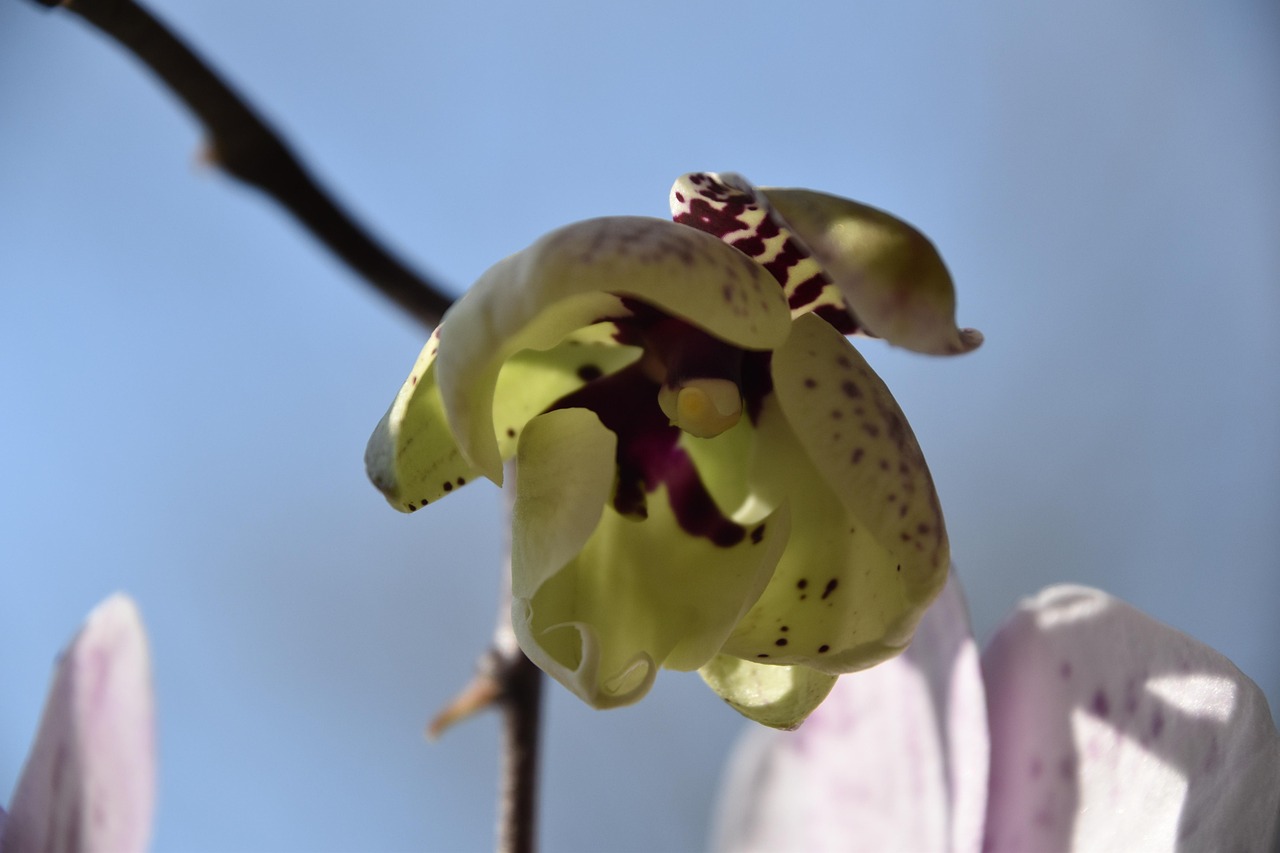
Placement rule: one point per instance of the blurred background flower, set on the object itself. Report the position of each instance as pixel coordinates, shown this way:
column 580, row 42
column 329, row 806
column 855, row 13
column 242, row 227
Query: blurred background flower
column 89, row 781
column 1105, row 729
column 189, row 382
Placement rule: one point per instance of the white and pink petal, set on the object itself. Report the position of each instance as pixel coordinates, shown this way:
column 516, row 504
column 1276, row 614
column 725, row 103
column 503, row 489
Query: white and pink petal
column 1112, row 731
column 89, row 782
column 894, row 759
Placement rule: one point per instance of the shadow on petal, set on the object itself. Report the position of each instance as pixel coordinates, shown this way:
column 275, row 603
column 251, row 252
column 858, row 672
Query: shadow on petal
column 1100, row 714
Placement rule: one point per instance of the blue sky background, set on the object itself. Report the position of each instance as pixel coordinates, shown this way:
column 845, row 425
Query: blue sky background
column 187, row 381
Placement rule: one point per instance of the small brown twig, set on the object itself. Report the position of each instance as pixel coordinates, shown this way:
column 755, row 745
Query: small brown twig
column 246, row 148
column 505, row 678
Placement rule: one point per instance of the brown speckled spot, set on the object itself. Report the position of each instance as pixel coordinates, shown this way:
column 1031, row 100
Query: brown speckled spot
column 823, row 649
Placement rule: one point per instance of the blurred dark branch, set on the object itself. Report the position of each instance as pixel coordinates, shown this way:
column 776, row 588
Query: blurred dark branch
column 244, row 146
column 505, row 678
column 508, row 680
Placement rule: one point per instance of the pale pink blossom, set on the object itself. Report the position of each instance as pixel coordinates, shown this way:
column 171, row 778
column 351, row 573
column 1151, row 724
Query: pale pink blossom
column 89, row 782
column 1085, row 725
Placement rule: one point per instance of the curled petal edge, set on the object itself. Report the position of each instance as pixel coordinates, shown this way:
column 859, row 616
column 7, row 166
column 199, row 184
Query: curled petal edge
column 780, row 697
column 891, row 275
column 579, row 275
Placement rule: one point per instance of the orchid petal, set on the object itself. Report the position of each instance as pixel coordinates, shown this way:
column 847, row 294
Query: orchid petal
column 868, row 548
column 891, row 275
column 412, row 457
column 532, row 380
column 600, row 601
column 895, row 759
column 776, row 696
column 89, row 783
column 578, row 276
column 1113, row 731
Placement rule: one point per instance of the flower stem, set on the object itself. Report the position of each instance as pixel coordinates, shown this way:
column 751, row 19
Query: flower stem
column 521, row 717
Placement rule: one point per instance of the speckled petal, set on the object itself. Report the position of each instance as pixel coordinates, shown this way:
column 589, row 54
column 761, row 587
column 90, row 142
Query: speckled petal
column 577, row 276
column 894, row 759
column 89, row 783
column 601, row 601
column 1112, row 731
column 412, row 457
column 869, row 551
column 891, row 276
column 532, row 380
column 779, row 697
column 730, row 207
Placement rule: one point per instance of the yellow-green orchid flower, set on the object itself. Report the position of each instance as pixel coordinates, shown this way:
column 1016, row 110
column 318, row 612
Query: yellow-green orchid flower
column 709, row 475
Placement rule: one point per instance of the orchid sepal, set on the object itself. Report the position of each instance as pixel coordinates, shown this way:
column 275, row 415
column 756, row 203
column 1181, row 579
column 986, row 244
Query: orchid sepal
column 861, row 269
column 891, row 275
column 840, row 603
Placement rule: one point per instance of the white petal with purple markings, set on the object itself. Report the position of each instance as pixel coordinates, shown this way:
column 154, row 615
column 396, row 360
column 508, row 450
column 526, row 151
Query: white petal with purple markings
column 89, row 782
column 895, row 759
column 1113, row 731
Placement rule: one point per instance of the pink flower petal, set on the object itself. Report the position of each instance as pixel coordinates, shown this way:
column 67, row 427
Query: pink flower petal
column 895, row 759
column 1112, row 731
column 89, row 782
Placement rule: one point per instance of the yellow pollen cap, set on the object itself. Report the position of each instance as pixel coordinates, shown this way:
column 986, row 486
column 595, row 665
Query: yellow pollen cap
column 702, row 407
